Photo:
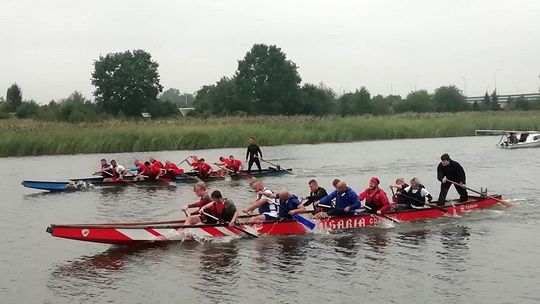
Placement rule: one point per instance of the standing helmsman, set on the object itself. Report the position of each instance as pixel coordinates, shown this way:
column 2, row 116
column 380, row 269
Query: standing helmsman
column 253, row 154
column 450, row 170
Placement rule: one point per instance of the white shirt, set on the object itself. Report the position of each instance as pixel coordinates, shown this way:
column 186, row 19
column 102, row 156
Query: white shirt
column 423, row 191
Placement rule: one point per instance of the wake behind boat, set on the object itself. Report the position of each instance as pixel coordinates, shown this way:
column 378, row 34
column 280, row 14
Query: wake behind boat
column 167, row 231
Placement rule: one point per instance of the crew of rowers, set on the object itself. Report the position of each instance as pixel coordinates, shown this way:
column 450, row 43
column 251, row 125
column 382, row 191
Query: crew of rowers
column 155, row 169
column 271, row 206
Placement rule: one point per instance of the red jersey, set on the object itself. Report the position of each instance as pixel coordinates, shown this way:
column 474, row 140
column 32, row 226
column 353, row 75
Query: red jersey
column 235, row 165
column 205, row 199
column 140, row 168
column 174, row 169
column 204, row 169
column 375, row 199
column 150, row 171
column 157, row 164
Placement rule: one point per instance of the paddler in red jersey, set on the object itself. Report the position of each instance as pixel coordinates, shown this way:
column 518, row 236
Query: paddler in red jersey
column 156, row 163
column 235, row 165
column 149, row 172
column 194, row 163
column 223, row 165
column 139, row 165
column 171, row 170
column 219, row 208
column 375, row 198
column 203, row 168
column 200, row 191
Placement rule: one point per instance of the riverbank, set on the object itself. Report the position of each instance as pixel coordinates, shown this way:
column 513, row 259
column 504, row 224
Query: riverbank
column 29, row 137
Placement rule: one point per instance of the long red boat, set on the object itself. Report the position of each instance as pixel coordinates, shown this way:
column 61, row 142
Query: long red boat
column 167, row 231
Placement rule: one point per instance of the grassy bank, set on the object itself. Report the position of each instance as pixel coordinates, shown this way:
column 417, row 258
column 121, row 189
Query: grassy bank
column 28, row 137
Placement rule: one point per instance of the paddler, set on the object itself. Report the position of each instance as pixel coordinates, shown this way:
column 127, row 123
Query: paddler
column 104, row 169
column 156, row 163
column 221, row 208
column 149, row 172
column 346, row 201
column 118, row 172
column 201, row 192
column 223, row 164
column 265, row 203
column 235, row 165
column 204, row 168
column 289, row 205
column 315, row 194
column 172, row 170
column 416, row 195
column 194, row 163
column 375, row 198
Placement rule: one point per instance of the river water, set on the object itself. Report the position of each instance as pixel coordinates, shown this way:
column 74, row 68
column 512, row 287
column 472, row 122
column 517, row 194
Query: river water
column 488, row 256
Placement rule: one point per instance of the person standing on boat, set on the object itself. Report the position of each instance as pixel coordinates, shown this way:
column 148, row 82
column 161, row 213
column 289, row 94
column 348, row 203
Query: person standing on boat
column 449, row 169
column 265, row 203
column 375, row 198
column 253, row 154
column 346, row 201
column 289, row 205
column 416, row 195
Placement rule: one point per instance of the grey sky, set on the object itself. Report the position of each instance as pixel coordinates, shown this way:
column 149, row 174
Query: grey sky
column 48, row 47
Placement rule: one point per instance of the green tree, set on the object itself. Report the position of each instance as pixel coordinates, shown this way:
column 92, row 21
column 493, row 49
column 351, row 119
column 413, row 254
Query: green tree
column 126, row 82
column 28, row 109
column 449, row 99
column 495, row 106
column 475, row 106
column 75, row 108
column 522, row 104
column 356, row 103
column 173, row 95
column 219, row 98
column 486, row 102
column 267, row 82
column 317, row 100
column 14, row 97
column 417, row 101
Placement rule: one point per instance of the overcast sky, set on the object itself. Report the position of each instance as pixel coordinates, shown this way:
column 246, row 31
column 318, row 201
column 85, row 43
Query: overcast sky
column 48, row 47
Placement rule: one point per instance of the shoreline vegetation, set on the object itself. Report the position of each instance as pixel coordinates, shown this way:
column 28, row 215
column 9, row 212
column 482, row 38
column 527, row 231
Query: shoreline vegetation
column 20, row 137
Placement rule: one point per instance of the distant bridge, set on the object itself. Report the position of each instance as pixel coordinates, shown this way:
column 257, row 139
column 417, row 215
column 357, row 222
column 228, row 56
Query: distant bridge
column 503, row 99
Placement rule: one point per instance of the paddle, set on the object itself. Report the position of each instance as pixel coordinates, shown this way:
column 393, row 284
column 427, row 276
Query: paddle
column 426, row 204
column 277, row 166
column 375, row 214
column 220, row 220
column 183, row 160
column 302, row 220
column 506, row 203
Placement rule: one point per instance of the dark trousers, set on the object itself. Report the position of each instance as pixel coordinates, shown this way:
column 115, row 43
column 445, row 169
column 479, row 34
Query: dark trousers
column 463, row 196
column 256, row 161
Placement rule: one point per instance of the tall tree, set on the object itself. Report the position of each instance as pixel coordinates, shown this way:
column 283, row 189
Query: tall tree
column 356, row 103
column 126, row 82
column 495, row 106
column 449, row 99
column 267, row 82
column 317, row 100
column 14, row 97
column 418, row 101
column 486, row 102
column 219, row 98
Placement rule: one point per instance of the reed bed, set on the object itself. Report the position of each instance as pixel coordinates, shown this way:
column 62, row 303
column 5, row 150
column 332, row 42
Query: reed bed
column 29, row 137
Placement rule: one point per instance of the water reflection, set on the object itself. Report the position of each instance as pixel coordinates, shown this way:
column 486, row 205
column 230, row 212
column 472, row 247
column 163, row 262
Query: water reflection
column 85, row 277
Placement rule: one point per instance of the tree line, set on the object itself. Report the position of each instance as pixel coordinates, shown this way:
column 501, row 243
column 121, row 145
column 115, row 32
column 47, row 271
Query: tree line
column 264, row 83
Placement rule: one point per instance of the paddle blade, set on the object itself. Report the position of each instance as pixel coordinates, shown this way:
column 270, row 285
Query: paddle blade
column 304, row 221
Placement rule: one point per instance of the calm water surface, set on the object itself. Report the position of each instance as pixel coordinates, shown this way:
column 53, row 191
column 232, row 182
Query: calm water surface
column 489, row 256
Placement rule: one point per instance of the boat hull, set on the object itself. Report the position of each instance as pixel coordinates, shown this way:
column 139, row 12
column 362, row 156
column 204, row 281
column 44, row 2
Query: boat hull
column 168, row 231
column 81, row 183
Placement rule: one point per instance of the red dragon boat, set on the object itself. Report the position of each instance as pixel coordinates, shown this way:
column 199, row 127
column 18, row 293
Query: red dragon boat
column 167, row 231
